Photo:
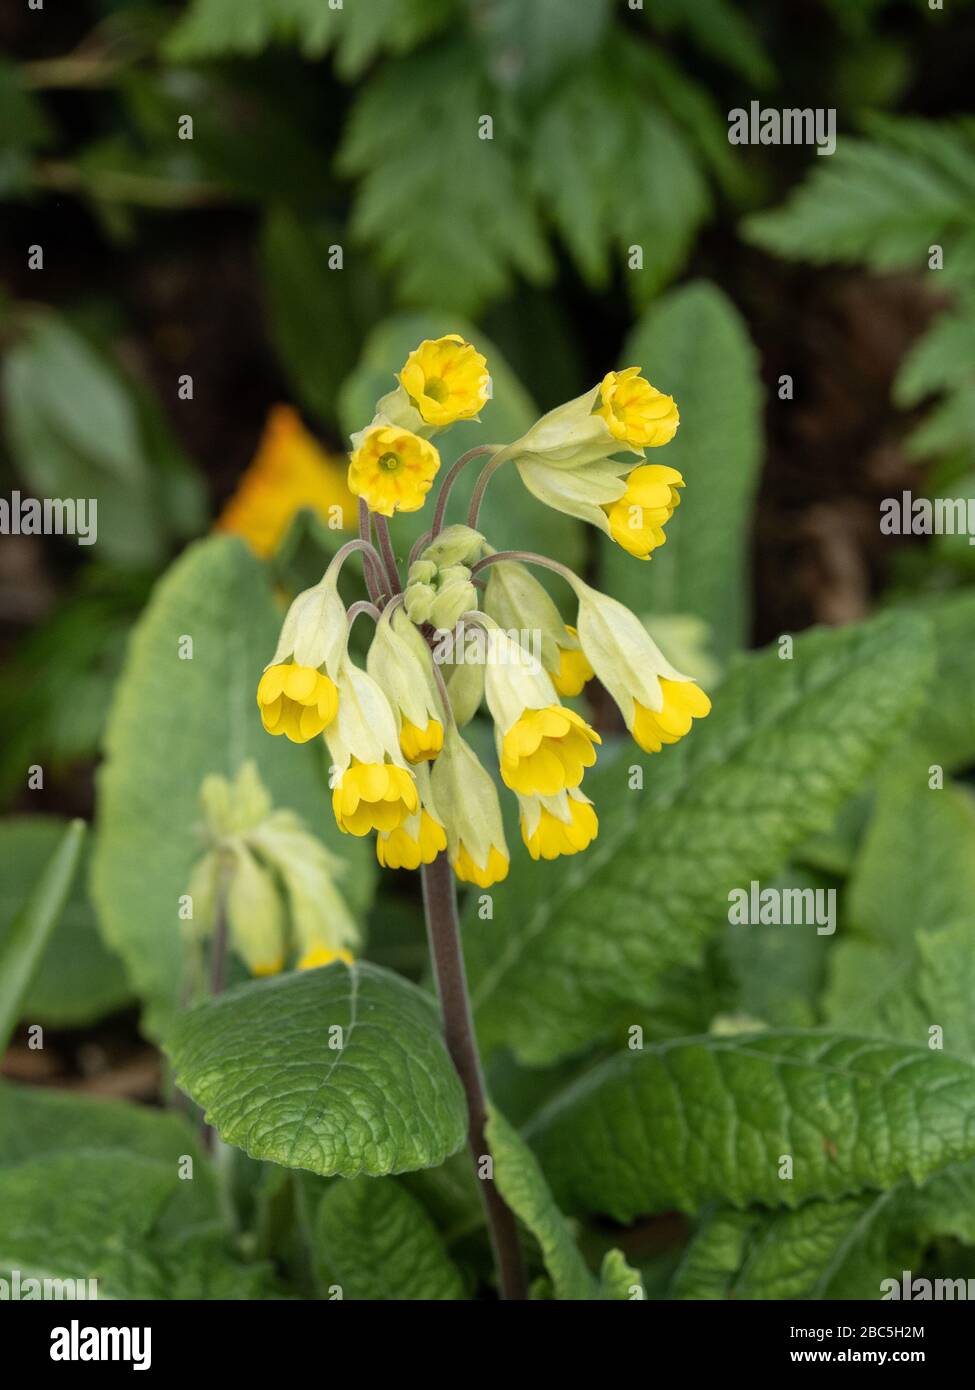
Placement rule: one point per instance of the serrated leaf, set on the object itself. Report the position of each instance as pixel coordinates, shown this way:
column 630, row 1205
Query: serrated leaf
column 172, row 722
column 78, row 979
column 823, row 1250
column 374, row 1240
column 28, row 936
column 262, row 1061
column 522, row 1185
column 572, row 945
column 681, row 1124
column 658, row 207
column 447, row 217
column 695, row 346
column 357, row 30
column 883, row 202
column 509, row 514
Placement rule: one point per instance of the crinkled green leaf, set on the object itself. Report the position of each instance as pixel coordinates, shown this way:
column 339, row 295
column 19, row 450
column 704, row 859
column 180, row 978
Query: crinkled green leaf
column 681, row 1124
column 575, row 944
column 339, row 1070
column 374, row 1240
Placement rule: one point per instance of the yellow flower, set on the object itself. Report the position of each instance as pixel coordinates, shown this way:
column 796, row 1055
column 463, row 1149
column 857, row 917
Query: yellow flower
column 323, row 955
column 493, row 870
column 289, row 471
column 551, row 830
column 547, row 750
column 447, row 380
column 392, row 469
column 417, row 841
column 373, row 796
column 574, row 669
column 421, row 745
column 636, row 413
column 682, row 702
column 637, row 520
column 296, row 700
column 264, row 969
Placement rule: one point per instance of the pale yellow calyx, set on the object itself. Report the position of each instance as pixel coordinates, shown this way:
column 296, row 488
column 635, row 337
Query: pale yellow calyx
column 446, row 380
column 636, row 413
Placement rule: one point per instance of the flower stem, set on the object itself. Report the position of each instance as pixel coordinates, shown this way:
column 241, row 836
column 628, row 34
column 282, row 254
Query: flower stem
column 389, row 558
column 480, row 487
column 372, row 568
column 443, row 933
column 526, row 557
column 449, row 480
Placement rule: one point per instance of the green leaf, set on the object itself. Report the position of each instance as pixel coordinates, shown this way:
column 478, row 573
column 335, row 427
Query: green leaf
column 374, row 1240
column 659, row 206
column 946, row 722
column 720, row 31
column 823, row 1250
column 448, row 216
column 303, row 293
column 23, row 945
column 685, row 1123
column 511, row 517
column 573, row 946
column 23, row 128
column 277, row 1081
column 522, row 1185
column 78, row 980
column 527, row 45
column 110, row 1217
column 695, row 346
column 357, row 31
column 95, row 453
column 173, row 721
column 882, row 202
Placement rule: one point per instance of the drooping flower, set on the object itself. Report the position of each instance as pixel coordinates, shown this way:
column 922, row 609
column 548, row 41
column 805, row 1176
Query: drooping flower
column 467, row 801
column 560, row 825
column 392, row 469
column 637, row 519
column 574, row 668
column 289, row 472
column 519, row 603
column 636, row 413
column 372, row 788
column 657, row 701
column 543, row 747
column 446, row 380
column 297, row 694
column 399, row 661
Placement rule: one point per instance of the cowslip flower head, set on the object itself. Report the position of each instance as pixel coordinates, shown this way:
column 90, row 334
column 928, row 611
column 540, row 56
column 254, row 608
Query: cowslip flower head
column 658, row 702
column 446, row 380
column 392, row 469
column 372, row 787
column 543, row 747
column 558, row 825
column 399, row 661
column 517, row 601
column 290, row 472
column 297, row 694
column 637, row 520
column 418, row 840
column 467, row 800
column 635, row 412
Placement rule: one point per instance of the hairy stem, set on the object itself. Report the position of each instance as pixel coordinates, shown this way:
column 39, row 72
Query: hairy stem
column 487, row 473
column 526, row 557
column 449, row 480
column 389, row 558
column 372, row 566
column 443, row 933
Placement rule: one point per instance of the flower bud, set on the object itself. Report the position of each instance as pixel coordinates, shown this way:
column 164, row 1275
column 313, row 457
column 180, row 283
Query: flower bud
column 456, row 545
column 255, row 914
column 400, row 662
column 456, row 595
column 467, row 800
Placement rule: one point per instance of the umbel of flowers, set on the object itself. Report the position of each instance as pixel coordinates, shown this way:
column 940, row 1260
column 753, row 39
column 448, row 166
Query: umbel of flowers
column 400, row 767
